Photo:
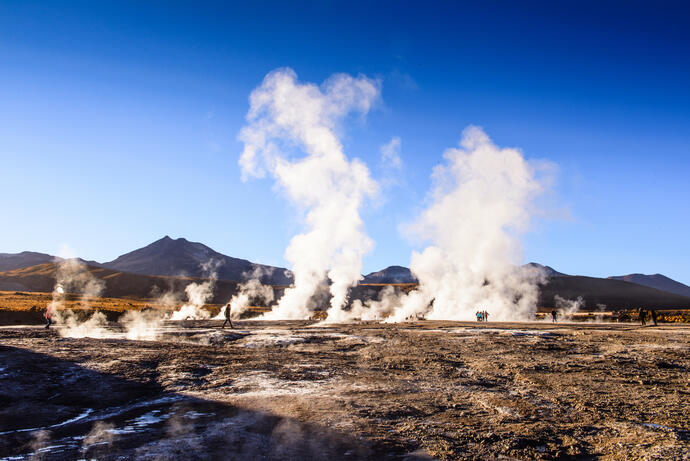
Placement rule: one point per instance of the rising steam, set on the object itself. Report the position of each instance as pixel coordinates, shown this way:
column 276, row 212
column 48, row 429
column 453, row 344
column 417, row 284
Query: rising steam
column 568, row 307
column 142, row 325
column 73, row 277
column 481, row 203
column 286, row 115
column 377, row 310
column 248, row 292
column 198, row 294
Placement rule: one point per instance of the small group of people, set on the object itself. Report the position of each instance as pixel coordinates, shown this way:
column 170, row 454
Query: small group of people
column 643, row 316
column 482, row 316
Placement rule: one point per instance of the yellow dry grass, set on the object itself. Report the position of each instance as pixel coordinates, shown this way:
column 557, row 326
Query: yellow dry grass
column 28, row 301
column 36, row 301
column 19, row 301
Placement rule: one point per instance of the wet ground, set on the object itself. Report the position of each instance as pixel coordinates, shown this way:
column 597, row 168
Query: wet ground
column 293, row 390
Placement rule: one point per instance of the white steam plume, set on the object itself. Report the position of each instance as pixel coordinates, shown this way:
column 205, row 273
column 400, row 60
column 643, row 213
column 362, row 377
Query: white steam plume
column 250, row 291
column 388, row 300
column 198, row 294
column 481, row 203
column 72, row 276
column 168, row 299
column 285, row 115
column 142, row 325
column 569, row 307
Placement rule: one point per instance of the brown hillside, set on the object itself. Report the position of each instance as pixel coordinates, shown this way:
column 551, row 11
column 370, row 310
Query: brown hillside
column 41, row 278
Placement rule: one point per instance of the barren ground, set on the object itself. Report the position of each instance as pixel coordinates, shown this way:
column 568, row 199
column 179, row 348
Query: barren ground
column 293, row 390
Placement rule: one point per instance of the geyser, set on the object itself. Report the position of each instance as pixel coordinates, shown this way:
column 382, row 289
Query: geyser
column 481, row 202
column 199, row 293
column 72, row 276
column 291, row 133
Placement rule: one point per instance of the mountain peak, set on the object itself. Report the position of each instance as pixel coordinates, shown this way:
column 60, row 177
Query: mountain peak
column 391, row 274
column 12, row 261
column 168, row 256
column 550, row 271
column 658, row 281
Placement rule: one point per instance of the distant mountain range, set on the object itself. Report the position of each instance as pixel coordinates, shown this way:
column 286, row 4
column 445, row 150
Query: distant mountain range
column 391, row 274
column 614, row 292
column 11, row 261
column 658, row 281
column 598, row 293
column 168, row 257
column 173, row 263
column 182, row 257
column 400, row 274
column 548, row 270
column 41, row 278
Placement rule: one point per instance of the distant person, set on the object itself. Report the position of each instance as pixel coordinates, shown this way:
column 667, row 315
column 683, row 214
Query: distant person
column 653, row 312
column 49, row 317
column 228, row 312
column 486, row 316
column 643, row 316
column 479, row 316
column 554, row 315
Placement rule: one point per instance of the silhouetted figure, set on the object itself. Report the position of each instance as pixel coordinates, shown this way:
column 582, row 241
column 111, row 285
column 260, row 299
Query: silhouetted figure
column 228, row 311
column 49, row 318
column 653, row 312
column 554, row 314
column 643, row 316
column 486, row 316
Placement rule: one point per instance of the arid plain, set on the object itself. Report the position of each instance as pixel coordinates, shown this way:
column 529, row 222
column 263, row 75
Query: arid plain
column 300, row 390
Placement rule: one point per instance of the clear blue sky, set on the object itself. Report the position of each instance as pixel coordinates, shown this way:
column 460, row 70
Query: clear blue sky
column 119, row 120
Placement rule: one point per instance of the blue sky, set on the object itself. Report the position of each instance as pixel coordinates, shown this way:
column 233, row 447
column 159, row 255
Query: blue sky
column 119, row 120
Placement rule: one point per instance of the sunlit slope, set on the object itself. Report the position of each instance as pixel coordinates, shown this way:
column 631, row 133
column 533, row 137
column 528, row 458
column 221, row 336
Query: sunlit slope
column 41, row 278
column 595, row 292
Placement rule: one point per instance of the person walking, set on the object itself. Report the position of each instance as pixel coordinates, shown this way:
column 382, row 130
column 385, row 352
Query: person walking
column 49, row 317
column 554, row 314
column 653, row 312
column 643, row 316
column 228, row 311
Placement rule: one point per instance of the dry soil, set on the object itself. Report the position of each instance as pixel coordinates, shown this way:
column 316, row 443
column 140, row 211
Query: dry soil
column 296, row 390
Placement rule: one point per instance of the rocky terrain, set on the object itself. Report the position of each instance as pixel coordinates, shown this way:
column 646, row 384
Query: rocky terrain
column 296, row 390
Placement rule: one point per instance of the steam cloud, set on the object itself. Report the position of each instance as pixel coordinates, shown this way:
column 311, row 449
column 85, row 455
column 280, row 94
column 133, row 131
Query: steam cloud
column 286, row 115
column 168, row 299
column 388, row 301
column 142, row 325
column 199, row 294
column 72, row 276
column 569, row 307
column 250, row 291
column 481, row 202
